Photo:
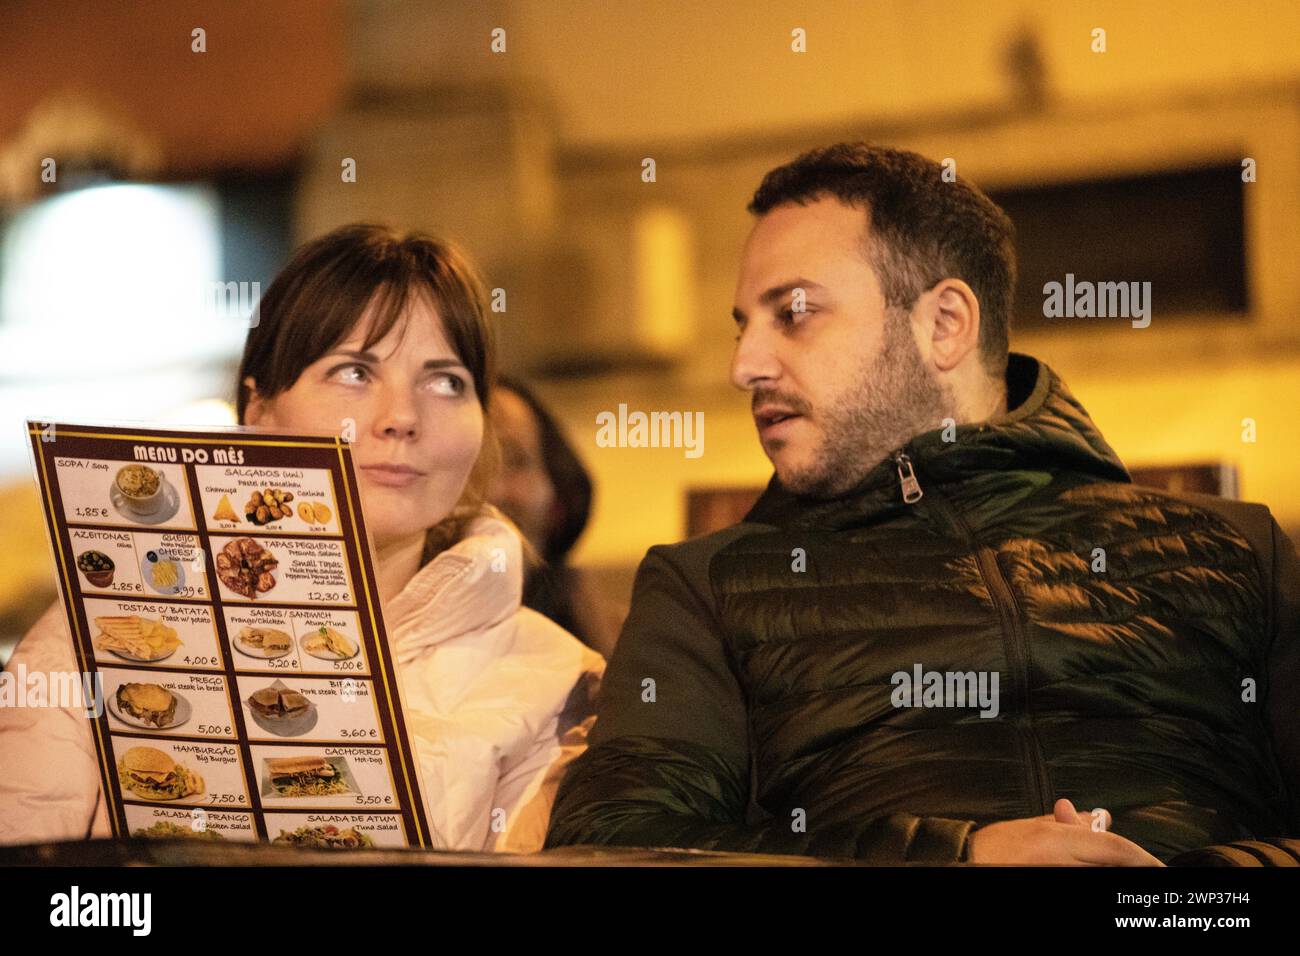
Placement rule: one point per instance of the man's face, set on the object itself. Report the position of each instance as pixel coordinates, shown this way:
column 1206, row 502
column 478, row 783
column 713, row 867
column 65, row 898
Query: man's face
column 839, row 386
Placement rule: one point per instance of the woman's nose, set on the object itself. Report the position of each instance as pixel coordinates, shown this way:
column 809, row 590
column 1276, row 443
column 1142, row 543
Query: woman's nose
column 398, row 414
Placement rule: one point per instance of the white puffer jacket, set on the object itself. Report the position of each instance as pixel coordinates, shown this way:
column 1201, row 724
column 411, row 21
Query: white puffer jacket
column 498, row 701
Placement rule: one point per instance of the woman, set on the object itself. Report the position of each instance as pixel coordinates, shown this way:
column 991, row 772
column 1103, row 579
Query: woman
column 384, row 338
column 544, row 488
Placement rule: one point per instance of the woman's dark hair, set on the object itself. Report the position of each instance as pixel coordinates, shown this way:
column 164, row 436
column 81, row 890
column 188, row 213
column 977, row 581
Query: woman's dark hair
column 569, row 478
column 550, row 585
column 317, row 299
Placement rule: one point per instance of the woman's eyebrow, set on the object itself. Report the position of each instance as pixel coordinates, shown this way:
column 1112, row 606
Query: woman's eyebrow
column 374, row 359
column 444, row 363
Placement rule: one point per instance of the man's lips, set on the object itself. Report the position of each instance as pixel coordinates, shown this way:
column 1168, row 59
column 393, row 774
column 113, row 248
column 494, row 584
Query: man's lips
column 773, row 420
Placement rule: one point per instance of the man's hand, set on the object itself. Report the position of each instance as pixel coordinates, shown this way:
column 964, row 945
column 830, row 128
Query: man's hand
column 1062, row 838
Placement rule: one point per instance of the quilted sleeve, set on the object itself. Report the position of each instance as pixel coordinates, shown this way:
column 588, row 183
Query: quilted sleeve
column 668, row 764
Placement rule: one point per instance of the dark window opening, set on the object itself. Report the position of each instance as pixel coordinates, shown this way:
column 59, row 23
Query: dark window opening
column 1181, row 230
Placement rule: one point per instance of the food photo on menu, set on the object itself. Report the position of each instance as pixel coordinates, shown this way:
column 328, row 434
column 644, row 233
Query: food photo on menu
column 307, row 777
column 282, row 711
column 245, row 567
column 151, row 774
column 149, row 706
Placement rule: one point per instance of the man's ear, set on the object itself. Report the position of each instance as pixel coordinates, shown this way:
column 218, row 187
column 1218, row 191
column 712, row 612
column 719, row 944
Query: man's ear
column 956, row 314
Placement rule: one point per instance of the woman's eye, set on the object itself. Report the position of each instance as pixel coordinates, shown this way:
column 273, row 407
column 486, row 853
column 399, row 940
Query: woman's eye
column 448, row 384
column 350, row 374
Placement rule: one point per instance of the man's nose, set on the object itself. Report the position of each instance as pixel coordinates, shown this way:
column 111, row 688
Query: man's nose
column 755, row 361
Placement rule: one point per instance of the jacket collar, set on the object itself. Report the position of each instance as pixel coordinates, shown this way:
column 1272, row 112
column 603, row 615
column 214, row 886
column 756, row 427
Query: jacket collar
column 1045, row 430
column 473, row 585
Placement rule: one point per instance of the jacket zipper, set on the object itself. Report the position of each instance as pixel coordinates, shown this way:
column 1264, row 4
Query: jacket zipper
column 1004, row 599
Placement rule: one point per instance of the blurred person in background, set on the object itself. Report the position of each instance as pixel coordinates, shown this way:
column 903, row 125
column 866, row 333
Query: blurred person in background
column 389, row 332
column 544, row 488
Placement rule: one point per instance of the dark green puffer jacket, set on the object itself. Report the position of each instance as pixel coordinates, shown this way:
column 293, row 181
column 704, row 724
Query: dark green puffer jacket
column 1147, row 649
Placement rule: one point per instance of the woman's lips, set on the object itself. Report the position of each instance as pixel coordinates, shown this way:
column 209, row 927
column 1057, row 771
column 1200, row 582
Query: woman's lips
column 392, row 476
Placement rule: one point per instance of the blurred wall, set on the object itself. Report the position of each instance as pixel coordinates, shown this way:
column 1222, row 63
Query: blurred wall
column 271, row 70
column 714, row 94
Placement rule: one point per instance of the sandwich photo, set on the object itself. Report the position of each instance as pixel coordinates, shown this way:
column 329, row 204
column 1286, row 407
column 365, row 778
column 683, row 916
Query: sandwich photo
column 278, row 703
column 282, row 711
column 328, row 644
column 136, row 638
column 152, row 775
column 304, row 777
column 149, row 704
column 263, row 642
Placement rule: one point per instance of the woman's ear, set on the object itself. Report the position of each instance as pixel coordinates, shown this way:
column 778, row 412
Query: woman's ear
column 254, row 407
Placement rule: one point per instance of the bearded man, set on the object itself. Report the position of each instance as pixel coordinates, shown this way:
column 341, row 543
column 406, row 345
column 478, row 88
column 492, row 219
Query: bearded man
column 940, row 506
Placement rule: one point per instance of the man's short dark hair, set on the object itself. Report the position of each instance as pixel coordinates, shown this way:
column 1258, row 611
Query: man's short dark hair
column 922, row 229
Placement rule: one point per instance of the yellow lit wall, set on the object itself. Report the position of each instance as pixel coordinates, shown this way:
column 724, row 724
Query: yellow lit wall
column 1179, row 83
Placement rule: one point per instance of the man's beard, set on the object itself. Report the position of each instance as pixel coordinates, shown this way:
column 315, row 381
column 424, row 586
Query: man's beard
column 891, row 400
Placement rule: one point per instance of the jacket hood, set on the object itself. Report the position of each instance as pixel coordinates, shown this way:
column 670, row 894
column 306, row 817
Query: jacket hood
column 1045, row 430
column 475, row 584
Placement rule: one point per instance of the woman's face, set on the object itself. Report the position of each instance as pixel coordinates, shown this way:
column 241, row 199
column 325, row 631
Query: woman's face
column 412, row 407
column 522, row 488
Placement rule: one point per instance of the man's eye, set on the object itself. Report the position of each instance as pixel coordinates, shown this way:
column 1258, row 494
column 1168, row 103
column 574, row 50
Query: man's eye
column 788, row 315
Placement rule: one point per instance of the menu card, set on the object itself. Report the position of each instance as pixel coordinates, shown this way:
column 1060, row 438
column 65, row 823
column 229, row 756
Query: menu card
column 221, row 595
